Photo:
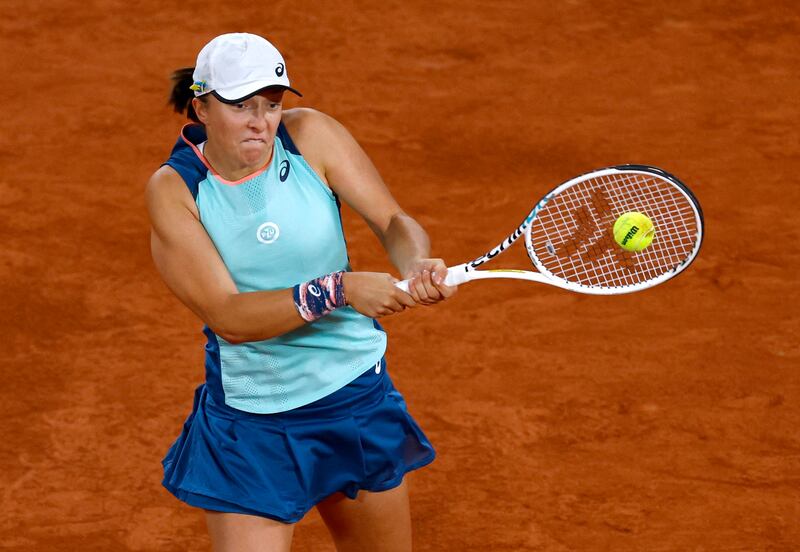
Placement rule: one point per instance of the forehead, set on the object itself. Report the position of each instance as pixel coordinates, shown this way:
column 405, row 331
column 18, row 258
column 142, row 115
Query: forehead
column 269, row 95
column 273, row 94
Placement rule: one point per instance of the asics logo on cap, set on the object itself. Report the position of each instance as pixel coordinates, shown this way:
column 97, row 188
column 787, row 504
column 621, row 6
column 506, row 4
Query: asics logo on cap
column 235, row 66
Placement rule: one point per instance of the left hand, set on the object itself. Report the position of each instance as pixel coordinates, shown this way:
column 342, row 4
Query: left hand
column 426, row 284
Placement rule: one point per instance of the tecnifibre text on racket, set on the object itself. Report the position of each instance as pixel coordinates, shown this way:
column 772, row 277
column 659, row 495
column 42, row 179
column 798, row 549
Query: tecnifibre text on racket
column 569, row 234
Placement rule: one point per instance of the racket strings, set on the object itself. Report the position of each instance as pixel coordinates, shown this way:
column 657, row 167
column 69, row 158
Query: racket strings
column 572, row 235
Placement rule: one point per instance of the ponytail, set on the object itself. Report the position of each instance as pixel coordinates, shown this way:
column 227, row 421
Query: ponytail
column 181, row 96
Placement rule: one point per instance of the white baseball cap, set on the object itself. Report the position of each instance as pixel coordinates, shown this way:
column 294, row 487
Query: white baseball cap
column 236, row 66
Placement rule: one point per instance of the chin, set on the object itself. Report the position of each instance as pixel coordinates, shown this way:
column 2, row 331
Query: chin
column 255, row 153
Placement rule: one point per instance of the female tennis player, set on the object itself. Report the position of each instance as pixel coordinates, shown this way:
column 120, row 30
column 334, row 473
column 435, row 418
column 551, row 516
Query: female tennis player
column 297, row 409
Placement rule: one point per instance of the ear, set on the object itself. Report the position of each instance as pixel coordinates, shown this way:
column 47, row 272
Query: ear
column 201, row 110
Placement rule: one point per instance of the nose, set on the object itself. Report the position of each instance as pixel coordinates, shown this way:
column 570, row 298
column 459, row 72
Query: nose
column 258, row 120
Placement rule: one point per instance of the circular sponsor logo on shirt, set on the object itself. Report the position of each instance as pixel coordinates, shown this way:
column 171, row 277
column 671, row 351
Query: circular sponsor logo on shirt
column 268, row 232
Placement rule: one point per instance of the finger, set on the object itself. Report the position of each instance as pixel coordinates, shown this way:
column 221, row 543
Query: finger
column 444, row 289
column 438, row 267
column 420, row 290
column 431, row 292
column 389, row 308
column 426, row 290
column 412, row 288
column 410, row 279
column 393, row 305
column 405, row 300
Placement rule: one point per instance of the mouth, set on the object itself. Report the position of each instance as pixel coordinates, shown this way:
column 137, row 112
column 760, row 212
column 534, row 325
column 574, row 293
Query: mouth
column 255, row 141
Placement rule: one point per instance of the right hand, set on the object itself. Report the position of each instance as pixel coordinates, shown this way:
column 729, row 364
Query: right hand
column 374, row 294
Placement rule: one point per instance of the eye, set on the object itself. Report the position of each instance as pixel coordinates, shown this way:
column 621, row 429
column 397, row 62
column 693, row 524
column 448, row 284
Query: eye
column 239, row 106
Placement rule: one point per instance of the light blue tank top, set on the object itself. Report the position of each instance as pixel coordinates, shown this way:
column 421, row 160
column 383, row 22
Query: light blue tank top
column 274, row 229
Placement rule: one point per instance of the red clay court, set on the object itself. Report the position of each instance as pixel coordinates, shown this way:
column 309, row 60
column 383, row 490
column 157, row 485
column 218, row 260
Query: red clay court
column 659, row 421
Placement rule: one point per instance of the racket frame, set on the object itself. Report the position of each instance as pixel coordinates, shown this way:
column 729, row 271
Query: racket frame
column 467, row 272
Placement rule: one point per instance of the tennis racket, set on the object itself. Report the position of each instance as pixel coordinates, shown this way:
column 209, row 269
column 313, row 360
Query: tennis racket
column 570, row 240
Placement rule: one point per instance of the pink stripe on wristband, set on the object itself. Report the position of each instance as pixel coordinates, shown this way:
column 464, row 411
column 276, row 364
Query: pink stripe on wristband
column 320, row 296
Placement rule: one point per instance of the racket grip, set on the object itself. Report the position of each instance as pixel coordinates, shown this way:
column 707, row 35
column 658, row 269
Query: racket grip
column 455, row 275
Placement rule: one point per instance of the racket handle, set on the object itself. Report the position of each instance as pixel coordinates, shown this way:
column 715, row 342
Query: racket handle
column 456, row 275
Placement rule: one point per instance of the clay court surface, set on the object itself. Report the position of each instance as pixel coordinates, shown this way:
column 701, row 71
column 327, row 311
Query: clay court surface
column 660, row 421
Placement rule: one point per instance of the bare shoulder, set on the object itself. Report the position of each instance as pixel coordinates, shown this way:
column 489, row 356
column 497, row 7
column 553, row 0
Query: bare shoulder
column 303, row 119
column 313, row 131
column 166, row 188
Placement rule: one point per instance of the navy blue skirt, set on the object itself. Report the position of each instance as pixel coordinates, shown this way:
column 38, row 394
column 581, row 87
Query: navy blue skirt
column 279, row 466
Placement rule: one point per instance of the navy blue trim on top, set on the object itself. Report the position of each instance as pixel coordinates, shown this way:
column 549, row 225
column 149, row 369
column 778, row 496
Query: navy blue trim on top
column 191, row 168
column 341, row 224
column 288, row 143
column 290, row 146
column 213, row 366
column 185, row 161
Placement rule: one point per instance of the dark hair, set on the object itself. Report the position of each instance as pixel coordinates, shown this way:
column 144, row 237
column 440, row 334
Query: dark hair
column 181, row 96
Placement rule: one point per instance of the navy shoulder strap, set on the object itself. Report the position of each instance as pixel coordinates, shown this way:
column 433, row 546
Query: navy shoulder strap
column 185, row 161
column 288, row 143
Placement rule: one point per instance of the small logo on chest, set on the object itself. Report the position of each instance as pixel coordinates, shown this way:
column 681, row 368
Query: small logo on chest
column 284, row 172
column 268, row 232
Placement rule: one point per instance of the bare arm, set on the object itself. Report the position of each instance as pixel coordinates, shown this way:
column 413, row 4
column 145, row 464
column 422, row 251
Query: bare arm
column 190, row 265
column 192, row 268
column 406, row 242
column 337, row 157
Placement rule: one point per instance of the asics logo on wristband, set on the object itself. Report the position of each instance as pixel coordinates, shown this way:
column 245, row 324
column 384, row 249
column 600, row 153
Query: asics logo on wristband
column 320, row 296
column 268, row 232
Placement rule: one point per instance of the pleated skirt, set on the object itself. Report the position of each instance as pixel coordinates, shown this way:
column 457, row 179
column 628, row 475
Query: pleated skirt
column 279, row 466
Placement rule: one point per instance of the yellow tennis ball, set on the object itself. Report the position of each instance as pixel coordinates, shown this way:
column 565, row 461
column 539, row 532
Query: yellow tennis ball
column 634, row 231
